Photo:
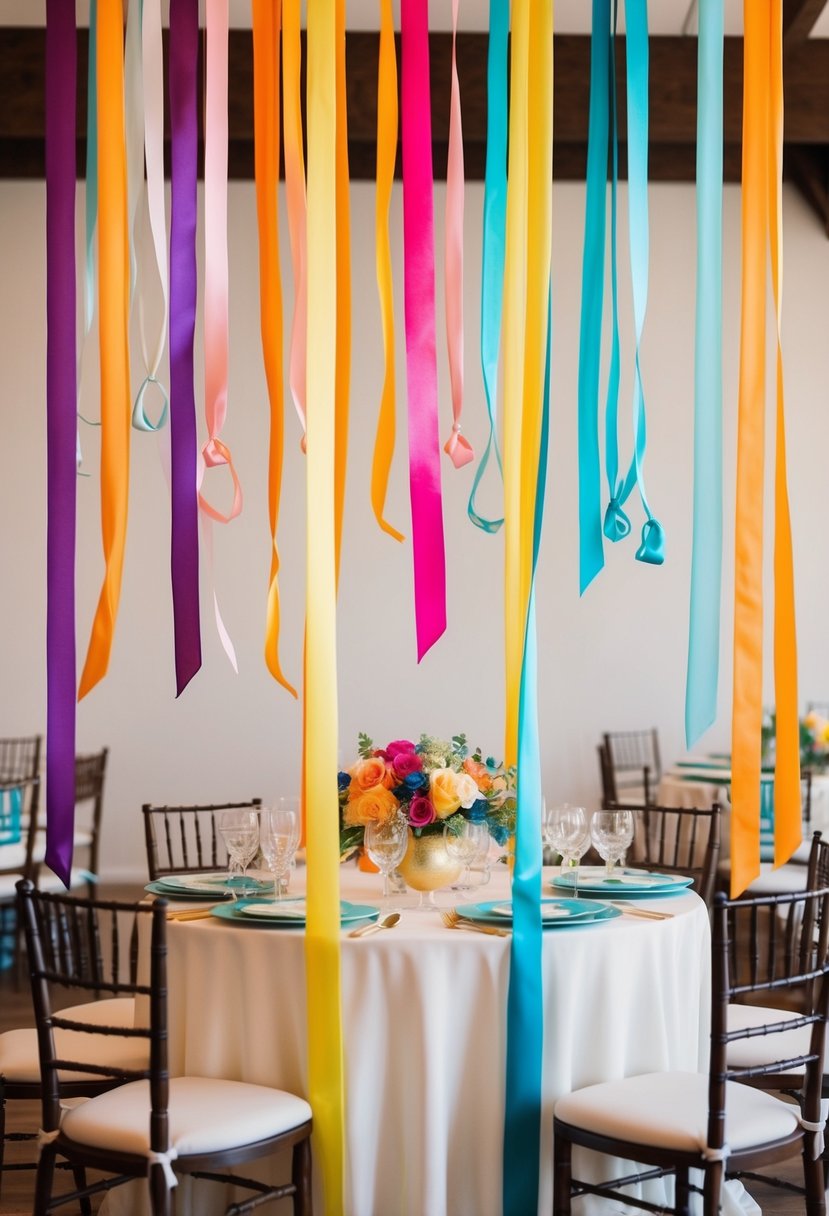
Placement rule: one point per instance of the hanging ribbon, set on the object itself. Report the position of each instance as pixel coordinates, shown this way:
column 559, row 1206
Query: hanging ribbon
column 591, row 550
column 184, row 43
column 322, row 941
column 152, row 65
column 215, row 453
column 386, row 153
column 295, row 200
column 421, row 364
column 90, row 209
column 706, row 555
column 61, row 404
column 133, row 129
column 113, row 289
column 456, row 447
column 343, row 354
column 495, row 218
column 616, row 524
column 788, row 830
column 266, row 157
column 527, row 331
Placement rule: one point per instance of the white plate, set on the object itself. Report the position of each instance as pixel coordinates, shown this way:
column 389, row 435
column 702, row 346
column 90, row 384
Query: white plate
column 284, row 910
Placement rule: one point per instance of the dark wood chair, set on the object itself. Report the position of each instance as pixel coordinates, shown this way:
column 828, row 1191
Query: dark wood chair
column 630, row 767
column 149, row 1125
column 675, row 1122
column 673, row 840
column 19, row 859
column 185, row 839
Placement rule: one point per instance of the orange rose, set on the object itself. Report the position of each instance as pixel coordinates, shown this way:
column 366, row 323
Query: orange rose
column 366, row 774
column 374, row 806
column 479, row 773
column 443, row 788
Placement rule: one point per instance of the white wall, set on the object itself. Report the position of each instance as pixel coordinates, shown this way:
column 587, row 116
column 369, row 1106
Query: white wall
column 615, row 659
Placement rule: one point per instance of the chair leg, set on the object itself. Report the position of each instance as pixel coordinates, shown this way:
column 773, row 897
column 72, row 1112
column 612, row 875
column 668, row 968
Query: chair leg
column 562, row 1173
column 712, row 1191
column 813, row 1181
column 79, row 1174
column 43, row 1185
column 160, row 1197
column 682, row 1195
column 301, row 1178
column 2, row 1131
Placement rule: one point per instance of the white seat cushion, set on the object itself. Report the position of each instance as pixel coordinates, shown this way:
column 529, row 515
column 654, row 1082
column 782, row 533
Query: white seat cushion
column 206, row 1116
column 670, row 1110
column 82, row 839
column 790, row 877
column 49, row 882
column 19, row 1060
column 768, row 1048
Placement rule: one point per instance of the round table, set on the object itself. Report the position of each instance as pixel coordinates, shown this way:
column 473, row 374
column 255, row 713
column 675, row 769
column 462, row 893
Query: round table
column 424, row 1017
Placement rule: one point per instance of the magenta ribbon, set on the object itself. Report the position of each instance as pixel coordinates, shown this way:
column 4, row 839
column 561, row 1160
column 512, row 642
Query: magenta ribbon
column 421, row 361
column 61, row 421
column 184, row 50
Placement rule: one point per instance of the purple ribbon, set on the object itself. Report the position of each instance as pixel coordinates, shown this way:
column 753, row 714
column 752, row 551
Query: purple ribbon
column 61, row 423
column 184, row 50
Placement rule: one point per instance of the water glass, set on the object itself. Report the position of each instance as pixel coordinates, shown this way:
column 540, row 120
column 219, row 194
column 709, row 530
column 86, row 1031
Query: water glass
column 386, row 845
column 465, row 843
column 566, row 831
column 239, row 830
column 612, row 834
column 279, row 839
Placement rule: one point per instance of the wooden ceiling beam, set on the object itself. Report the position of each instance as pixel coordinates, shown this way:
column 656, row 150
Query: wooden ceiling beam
column 672, row 95
column 799, row 19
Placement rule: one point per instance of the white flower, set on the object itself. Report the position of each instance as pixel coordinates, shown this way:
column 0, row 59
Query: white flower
column 467, row 790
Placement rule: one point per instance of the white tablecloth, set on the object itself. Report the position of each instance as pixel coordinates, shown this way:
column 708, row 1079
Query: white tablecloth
column 424, row 1022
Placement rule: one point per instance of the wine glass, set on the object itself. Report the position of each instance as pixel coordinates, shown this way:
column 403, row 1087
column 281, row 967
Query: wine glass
column 480, row 864
column 279, row 839
column 612, row 834
column 566, row 830
column 386, row 843
column 239, row 830
column 464, row 843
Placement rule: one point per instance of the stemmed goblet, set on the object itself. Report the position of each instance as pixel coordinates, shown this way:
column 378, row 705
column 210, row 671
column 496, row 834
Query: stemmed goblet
column 239, row 830
column 279, row 839
column 386, row 843
column 566, row 830
column 466, row 843
column 612, row 834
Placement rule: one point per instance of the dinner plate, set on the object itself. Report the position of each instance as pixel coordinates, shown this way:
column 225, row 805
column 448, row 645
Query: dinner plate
column 628, row 882
column 487, row 913
column 551, row 909
column 185, row 893
column 212, row 879
column 266, row 913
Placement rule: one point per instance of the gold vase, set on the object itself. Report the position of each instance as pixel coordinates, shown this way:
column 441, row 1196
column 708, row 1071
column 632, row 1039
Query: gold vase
column 427, row 865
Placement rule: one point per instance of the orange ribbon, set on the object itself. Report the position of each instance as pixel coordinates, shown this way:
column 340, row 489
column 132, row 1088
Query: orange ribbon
column 113, row 290
column 295, row 199
column 386, row 153
column 762, row 134
column 266, row 155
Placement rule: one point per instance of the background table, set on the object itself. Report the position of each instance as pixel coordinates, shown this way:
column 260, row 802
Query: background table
column 424, row 1013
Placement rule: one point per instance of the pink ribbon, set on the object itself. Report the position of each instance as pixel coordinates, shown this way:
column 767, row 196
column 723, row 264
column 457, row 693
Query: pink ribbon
column 421, row 362
column 456, row 447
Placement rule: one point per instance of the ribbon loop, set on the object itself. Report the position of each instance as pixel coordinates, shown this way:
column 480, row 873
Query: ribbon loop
column 457, row 448
column 616, row 522
column 651, row 550
column 140, row 421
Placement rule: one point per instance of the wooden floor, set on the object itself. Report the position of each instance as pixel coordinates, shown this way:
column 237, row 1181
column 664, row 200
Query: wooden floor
column 17, row 1186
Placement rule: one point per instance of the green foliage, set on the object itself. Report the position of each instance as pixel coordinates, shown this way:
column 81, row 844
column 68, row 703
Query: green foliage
column 365, row 746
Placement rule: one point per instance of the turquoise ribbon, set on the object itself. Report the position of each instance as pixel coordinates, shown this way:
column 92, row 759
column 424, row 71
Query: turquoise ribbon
column 617, row 525
column 706, row 554
column 591, row 550
column 495, row 219
column 525, row 1000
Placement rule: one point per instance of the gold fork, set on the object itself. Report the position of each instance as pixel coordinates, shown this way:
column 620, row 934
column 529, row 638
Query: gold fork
column 453, row 920
column 191, row 914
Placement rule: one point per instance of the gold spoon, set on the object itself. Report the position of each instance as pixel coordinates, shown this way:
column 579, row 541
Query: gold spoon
column 385, row 922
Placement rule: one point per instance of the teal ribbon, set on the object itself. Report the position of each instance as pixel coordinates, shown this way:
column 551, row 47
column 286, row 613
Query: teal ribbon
column 591, row 550
column 652, row 545
column 495, row 220
column 706, row 553
column 140, row 419
column 525, row 1000
column 616, row 523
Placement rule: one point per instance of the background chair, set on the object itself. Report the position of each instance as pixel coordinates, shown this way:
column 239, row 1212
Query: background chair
column 671, row 840
column 185, row 839
column 18, row 860
column 673, row 1122
column 90, row 775
column 630, row 767
column 148, row 1123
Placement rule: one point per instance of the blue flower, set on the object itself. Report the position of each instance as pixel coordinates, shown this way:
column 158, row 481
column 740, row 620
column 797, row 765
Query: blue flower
column 343, row 781
column 477, row 812
column 415, row 781
column 499, row 833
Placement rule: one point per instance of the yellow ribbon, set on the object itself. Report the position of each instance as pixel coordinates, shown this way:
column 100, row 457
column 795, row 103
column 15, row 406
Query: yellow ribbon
column 113, row 290
column 343, row 356
column 788, row 830
column 386, row 153
column 266, row 15
column 762, row 132
column 516, row 582
column 322, row 943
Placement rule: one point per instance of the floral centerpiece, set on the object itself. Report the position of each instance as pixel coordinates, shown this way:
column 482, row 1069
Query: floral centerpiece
column 432, row 783
column 814, row 740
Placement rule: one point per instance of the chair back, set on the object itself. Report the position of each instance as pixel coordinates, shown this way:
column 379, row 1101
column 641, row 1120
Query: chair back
column 674, row 840
column 184, row 839
column 90, row 774
column 763, row 948
column 23, row 793
column 90, row 947
column 20, row 758
column 631, row 766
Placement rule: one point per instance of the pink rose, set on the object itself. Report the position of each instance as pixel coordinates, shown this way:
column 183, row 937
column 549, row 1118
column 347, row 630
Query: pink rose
column 421, row 812
column 405, row 763
column 397, row 746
